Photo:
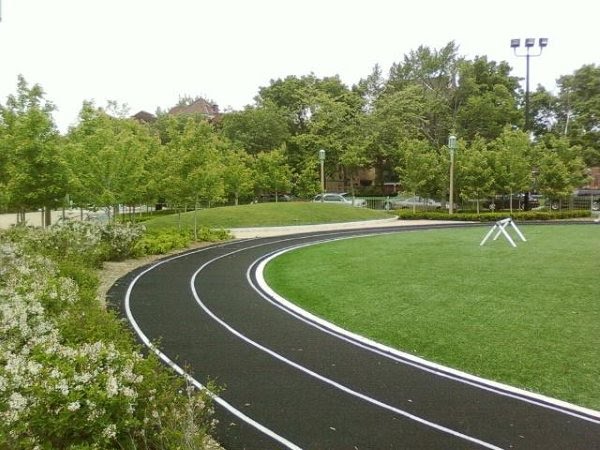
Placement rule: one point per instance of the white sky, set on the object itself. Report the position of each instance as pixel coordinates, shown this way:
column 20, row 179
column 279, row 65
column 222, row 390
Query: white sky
column 147, row 53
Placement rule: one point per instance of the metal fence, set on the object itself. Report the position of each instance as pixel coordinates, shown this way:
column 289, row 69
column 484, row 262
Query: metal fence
column 580, row 202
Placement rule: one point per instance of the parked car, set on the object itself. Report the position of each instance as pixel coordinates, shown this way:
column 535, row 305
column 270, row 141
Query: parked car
column 341, row 199
column 264, row 198
column 411, row 202
column 518, row 202
column 581, row 199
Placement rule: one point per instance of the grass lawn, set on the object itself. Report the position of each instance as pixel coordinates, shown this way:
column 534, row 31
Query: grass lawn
column 268, row 215
column 529, row 316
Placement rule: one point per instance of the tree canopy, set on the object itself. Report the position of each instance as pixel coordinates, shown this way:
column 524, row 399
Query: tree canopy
column 395, row 125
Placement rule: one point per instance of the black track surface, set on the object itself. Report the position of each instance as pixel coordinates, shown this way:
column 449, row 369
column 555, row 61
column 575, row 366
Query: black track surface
column 419, row 408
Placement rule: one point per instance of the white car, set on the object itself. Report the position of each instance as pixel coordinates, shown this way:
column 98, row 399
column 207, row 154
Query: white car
column 411, row 202
column 340, row 199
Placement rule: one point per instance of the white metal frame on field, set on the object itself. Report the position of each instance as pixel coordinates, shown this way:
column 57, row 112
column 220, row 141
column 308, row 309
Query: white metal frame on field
column 501, row 227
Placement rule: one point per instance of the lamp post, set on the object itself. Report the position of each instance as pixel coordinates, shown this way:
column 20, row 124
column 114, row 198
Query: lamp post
column 529, row 44
column 452, row 148
column 322, row 161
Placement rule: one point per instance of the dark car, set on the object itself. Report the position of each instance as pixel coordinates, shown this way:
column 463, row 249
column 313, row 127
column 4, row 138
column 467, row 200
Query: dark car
column 518, row 202
column 581, row 199
column 264, row 198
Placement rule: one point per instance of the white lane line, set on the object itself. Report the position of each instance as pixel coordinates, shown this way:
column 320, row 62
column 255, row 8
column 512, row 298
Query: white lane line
column 499, row 388
column 321, row 377
column 283, row 441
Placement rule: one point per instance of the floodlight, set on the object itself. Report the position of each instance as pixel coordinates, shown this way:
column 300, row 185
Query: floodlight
column 543, row 42
column 529, row 42
column 515, row 43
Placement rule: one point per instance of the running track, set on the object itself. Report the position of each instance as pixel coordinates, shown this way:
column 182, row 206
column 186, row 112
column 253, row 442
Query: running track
column 292, row 382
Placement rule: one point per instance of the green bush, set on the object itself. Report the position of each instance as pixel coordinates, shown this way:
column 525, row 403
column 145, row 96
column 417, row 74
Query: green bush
column 161, row 242
column 210, row 235
column 491, row 216
column 71, row 375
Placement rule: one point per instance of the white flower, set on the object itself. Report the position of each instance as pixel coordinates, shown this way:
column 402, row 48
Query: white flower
column 73, row 406
column 63, row 387
column 112, row 388
column 110, row 431
column 17, row 402
column 128, row 392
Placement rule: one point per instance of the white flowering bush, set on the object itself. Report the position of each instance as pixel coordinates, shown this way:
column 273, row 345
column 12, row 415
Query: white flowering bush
column 120, row 239
column 61, row 389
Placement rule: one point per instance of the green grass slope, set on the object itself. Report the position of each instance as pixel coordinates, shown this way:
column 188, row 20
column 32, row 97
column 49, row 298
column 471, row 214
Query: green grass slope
column 268, row 215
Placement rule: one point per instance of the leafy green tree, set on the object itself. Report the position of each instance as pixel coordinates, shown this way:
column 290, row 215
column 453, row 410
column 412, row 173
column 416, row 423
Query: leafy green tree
column 397, row 117
column 423, row 171
column 315, row 108
column 307, row 181
column 34, row 173
column 474, row 175
column 486, row 99
column 560, row 167
column 511, row 163
column 272, row 174
column 257, row 129
column 579, row 110
column 544, row 110
column 371, row 88
column 108, row 157
column 238, row 174
column 435, row 73
column 335, row 127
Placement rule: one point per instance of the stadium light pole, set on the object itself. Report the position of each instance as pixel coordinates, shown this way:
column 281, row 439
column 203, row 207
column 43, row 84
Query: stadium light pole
column 452, row 148
column 529, row 44
column 322, row 161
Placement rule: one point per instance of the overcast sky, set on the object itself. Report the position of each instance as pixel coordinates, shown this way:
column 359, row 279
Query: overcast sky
column 148, row 53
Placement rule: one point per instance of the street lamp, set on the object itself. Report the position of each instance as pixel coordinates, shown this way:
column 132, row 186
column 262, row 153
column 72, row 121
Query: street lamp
column 322, row 160
column 452, row 148
column 529, row 44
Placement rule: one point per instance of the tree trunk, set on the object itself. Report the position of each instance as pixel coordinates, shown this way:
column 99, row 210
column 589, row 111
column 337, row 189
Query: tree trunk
column 47, row 217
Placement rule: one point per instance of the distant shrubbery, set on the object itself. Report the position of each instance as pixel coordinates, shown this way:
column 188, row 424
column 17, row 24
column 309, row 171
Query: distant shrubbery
column 492, row 216
column 70, row 373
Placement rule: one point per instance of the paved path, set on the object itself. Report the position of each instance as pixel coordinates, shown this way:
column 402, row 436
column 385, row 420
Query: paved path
column 291, row 383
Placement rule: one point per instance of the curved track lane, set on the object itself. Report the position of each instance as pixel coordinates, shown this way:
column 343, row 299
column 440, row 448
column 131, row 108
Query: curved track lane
column 291, row 382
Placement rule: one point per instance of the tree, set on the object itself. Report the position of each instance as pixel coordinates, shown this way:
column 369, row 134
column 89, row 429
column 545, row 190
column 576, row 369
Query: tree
column 272, row 173
column 579, row 110
column 34, row 174
column 423, row 169
column 312, row 107
column 371, row 88
column 486, row 99
column 108, row 157
column 434, row 72
column 474, row 175
column 511, row 163
column 398, row 116
column 307, row 182
column 238, row 174
column 560, row 168
column 257, row 129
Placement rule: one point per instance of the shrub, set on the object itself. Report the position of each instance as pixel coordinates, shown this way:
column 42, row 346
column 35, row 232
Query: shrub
column 161, row 242
column 70, row 374
column 119, row 239
column 492, row 216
